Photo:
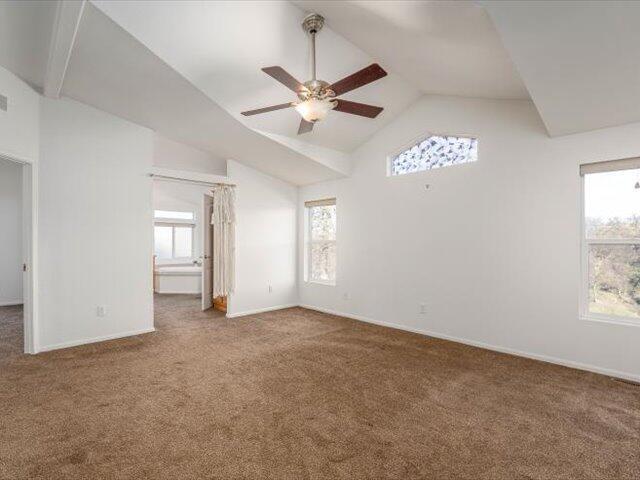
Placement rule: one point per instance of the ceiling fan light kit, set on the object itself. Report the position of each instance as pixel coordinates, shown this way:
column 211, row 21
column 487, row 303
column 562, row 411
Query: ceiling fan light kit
column 317, row 97
column 314, row 109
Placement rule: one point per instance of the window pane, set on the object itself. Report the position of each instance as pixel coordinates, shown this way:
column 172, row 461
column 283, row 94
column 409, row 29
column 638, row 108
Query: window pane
column 612, row 204
column 435, row 152
column 323, row 262
column 323, row 222
column 162, row 241
column 183, row 240
column 173, row 215
column 614, row 280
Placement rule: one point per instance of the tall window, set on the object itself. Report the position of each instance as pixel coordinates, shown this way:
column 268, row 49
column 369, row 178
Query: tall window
column 611, row 246
column 321, row 241
column 173, row 235
column 435, row 151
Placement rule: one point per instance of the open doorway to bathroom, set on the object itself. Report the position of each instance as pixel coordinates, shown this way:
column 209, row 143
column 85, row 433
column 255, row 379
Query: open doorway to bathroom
column 182, row 256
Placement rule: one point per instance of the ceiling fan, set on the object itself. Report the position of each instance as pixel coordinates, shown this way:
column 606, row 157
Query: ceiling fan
column 317, row 97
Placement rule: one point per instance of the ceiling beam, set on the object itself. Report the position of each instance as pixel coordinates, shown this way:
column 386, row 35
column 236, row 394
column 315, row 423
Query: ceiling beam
column 63, row 36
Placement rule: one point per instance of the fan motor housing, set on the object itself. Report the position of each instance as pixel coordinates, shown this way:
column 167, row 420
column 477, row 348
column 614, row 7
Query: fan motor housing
column 316, row 89
column 313, row 23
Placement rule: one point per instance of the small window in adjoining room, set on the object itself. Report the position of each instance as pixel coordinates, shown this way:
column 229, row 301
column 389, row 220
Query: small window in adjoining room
column 173, row 235
column 436, row 151
column 320, row 259
column 172, row 215
column 611, row 241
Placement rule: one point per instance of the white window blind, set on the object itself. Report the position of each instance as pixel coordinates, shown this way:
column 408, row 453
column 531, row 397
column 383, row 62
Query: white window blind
column 610, row 166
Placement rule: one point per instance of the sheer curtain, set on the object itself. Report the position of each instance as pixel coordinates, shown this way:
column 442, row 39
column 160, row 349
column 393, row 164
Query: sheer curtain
column 223, row 219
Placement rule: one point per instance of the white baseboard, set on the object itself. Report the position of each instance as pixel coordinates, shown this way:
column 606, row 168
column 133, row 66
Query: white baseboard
column 75, row 343
column 534, row 356
column 260, row 310
column 10, row 303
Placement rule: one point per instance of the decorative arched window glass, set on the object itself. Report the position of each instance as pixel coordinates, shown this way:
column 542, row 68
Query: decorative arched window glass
column 435, row 151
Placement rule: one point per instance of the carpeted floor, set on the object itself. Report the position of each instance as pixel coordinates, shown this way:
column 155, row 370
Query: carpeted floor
column 296, row 394
column 11, row 339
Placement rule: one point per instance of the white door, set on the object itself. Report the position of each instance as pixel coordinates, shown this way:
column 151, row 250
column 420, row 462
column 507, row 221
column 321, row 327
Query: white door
column 207, row 254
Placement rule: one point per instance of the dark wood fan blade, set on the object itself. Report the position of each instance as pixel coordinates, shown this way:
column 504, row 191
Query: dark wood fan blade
column 367, row 75
column 281, row 75
column 267, row 109
column 356, row 108
column 305, row 126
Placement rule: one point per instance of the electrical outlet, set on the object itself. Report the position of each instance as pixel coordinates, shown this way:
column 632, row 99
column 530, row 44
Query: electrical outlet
column 270, row 289
column 423, row 308
column 346, row 296
column 102, row 310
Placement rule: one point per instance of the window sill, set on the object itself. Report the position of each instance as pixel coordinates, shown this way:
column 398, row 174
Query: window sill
column 319, row 282
column 627, row 321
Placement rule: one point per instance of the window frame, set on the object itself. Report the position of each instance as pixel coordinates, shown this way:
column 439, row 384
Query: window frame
column 176, row 223
column 174, row 219
column 585, row 244
column 419, row 138
column 308, row 246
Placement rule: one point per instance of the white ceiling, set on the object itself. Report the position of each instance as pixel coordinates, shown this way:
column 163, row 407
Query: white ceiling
column 441, row 47
column 226, row 45
column 25, row 33
column 187, row 69
column 112, row 71
column 579, row 59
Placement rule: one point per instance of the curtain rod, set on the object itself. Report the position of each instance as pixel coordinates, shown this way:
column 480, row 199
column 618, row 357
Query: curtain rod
column 199, row 182
column 226, row 184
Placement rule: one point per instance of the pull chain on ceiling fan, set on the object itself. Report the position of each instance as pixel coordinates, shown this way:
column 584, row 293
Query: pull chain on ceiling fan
column 317, row 97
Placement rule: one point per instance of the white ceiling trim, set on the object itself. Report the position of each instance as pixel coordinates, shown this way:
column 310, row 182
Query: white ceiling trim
column 63, row 37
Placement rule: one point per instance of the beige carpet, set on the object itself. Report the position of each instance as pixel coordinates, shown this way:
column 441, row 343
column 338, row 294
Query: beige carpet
column 297, row 394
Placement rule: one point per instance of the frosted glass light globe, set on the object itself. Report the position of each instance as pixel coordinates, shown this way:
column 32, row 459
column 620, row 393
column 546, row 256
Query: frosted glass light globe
column 313, row 110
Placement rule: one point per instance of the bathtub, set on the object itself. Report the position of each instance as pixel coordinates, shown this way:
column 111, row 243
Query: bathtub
column 185, row 279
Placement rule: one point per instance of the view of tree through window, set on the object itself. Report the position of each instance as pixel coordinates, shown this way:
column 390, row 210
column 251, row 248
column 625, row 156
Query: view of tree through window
column 435, row 152
column 322, row 243
column 612, row 229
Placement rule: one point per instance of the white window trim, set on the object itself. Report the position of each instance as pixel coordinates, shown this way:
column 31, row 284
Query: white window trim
column 174, row 221
column 308, row 244
column 417, row 139
column 585, row 242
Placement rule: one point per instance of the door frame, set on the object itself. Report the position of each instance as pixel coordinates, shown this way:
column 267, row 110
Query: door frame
column 29, row 251
column 207, row 246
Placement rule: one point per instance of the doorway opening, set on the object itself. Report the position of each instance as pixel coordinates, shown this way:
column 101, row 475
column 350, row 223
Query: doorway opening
column 183, row 248
column 15, row 262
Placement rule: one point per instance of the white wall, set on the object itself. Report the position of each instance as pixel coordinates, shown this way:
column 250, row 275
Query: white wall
column 95, row 240
column 265, row 241
column 492, row 248
column 181, row 196
column 10, row 233
column 178, row 156
column 19, row 134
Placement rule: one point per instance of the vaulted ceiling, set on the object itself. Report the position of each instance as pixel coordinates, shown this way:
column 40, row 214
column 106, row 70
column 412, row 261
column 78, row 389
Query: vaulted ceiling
column 443, row 47
column 227, row 43
column 187, row 69
column 579, row 60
